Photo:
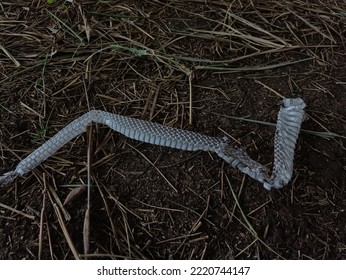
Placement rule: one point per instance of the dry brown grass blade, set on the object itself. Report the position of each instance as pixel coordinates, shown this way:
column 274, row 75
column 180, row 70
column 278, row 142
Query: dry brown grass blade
column 178, row 238
column 158, row 207
column 86, row 225
column 65, row 232
column 86, row 26
column 238, row 197
column 42, row 215
column 269, row 88
column 17, row 211
column 61, row 219
column 10, row 56
column 249, row 226
column 256, row 27
column 190, row 98
column 108, row 211
column 58, row 202
column 86, row 231
column 311, row 26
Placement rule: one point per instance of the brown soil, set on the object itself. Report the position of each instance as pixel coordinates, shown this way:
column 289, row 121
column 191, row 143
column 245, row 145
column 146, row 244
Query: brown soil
column 144, row 59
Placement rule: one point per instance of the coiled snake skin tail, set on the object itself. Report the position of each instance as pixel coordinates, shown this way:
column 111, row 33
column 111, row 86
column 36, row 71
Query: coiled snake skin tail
column 289, row 121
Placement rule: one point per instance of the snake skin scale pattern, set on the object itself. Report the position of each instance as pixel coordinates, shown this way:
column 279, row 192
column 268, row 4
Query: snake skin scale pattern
column 289, row 121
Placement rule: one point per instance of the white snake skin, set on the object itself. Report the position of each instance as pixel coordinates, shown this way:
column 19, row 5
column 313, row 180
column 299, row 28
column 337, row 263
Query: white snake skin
column 289, row 120
column 288, row 124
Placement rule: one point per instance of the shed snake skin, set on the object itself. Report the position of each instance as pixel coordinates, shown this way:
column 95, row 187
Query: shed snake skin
column 289, row 120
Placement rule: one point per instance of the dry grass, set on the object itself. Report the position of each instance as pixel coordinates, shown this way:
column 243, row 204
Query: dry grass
column 183, row 64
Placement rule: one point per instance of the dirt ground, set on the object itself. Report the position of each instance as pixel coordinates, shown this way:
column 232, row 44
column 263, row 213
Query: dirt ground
column 187, row 64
